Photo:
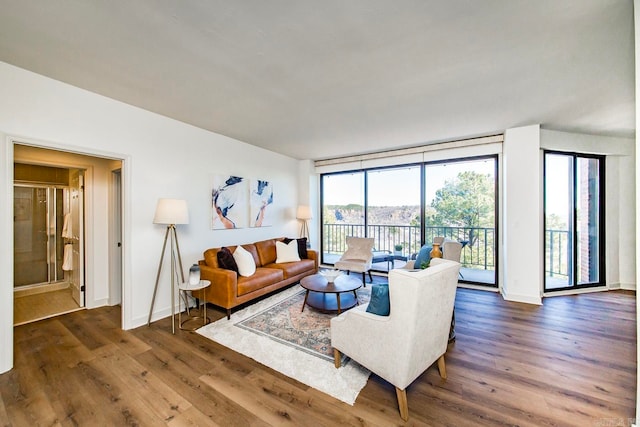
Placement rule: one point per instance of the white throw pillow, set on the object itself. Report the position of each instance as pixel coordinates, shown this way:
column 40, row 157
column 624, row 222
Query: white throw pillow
column 287, row 252
column 245, row 261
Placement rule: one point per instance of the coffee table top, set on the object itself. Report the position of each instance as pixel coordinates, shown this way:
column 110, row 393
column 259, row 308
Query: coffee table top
column 318, row 283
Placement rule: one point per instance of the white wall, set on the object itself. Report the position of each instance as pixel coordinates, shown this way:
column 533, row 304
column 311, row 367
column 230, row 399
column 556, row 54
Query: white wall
column 162, row 158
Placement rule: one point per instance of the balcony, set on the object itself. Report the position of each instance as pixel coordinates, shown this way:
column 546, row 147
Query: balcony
column 477, row 254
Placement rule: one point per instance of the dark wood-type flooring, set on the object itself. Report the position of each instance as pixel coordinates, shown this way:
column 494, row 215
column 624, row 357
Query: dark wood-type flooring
column 570, row 362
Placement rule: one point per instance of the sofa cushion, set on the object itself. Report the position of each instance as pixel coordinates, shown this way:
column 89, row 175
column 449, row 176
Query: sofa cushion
column 262, row 278
column 211, row 257
column 291, row 269
column 226, row 260
column 244, row 260
column 302, row 246
column 266, row 250
column 287, row 252
column 379, row 303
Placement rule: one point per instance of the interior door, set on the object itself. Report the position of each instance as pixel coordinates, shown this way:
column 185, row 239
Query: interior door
column 76, row 209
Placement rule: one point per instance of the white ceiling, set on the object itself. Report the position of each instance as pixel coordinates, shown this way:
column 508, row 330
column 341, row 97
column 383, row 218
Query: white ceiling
column 316, row 79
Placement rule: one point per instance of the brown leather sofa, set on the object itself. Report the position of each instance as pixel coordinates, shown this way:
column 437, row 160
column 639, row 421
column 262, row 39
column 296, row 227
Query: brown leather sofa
column 228, row 289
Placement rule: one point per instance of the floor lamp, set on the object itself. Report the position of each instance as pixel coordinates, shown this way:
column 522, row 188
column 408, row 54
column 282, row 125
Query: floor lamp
column 304, row 214
column 170, row 212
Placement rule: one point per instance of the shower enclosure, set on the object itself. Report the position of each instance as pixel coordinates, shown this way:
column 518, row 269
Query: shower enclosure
column 37, row 226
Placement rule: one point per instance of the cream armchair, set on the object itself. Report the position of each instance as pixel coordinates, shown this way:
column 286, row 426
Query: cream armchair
column 357, row 257
column 401, row 346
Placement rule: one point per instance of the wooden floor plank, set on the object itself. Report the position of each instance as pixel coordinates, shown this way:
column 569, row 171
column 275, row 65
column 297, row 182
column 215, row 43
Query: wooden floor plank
column 569, row 362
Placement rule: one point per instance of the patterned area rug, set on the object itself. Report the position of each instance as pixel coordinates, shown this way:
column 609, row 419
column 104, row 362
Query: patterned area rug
column 277, row 334
column 307, row 330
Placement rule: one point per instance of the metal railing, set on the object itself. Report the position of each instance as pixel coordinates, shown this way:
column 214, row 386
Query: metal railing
column 479, row 242
column 556, row 248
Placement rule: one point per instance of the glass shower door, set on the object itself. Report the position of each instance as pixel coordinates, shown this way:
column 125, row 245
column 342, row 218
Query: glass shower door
column 36, row 232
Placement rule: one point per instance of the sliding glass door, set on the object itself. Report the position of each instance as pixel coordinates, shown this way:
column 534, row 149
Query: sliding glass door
column 404, row 207
column 393, row 214
column 574, row 220
column 343, row 211
column 461, row 205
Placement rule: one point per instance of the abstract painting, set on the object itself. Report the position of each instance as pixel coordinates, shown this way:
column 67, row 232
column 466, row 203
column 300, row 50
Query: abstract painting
column 261, row 203
column 229, row 202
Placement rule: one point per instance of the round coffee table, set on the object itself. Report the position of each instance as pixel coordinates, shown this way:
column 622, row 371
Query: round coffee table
column 319, row 290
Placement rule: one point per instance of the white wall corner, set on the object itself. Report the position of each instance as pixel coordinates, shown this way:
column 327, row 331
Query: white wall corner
column 6, row 253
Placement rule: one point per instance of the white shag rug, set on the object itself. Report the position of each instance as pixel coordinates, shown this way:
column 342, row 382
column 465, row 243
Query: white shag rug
column 344, row 383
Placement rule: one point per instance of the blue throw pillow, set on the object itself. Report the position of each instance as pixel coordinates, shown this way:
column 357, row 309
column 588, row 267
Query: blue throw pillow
column 423, row 258
column 379, row 303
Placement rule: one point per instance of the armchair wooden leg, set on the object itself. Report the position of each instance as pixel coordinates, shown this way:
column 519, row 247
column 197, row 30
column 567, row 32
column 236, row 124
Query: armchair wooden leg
column 402, row 403
column 442, row 368
column 337, row 357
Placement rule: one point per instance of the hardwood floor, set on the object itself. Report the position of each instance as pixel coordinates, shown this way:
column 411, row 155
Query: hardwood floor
column 570, row 362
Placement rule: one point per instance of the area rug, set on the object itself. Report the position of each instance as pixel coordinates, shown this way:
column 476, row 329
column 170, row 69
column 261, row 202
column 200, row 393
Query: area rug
column 297, row 344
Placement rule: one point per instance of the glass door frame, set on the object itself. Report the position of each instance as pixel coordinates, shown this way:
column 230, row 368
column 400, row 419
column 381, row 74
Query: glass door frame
column 573, row 229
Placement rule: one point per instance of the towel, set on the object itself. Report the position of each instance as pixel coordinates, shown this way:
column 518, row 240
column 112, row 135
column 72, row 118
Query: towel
column 66, row 227
column 67, row 263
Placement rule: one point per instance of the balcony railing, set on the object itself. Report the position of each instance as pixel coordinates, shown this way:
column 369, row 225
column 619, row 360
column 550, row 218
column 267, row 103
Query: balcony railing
column 557, row 246
column 479, row 242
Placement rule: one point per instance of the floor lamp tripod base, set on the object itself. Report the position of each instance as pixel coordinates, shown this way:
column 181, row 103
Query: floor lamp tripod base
column 175, row 249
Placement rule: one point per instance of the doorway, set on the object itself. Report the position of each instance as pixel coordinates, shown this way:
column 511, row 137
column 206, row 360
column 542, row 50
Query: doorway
column 573, row 221
column 82, row 183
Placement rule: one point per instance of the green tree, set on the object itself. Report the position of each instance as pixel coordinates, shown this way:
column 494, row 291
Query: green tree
column 466, row 201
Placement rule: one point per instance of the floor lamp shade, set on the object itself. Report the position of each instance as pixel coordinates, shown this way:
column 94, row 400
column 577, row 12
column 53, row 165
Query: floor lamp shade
column 171, row 211
column 303, row 212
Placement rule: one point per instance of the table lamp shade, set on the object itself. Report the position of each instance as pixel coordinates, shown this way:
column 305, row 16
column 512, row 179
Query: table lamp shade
column 303, row 212
column 171, row 211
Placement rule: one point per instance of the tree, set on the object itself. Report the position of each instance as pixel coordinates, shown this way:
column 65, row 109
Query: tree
column 466, row 201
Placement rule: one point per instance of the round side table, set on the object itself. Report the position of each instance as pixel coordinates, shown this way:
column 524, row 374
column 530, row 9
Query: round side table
column 184, row 288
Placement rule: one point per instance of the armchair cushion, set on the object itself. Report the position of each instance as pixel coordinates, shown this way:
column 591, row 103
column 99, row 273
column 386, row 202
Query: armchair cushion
column 424, row 256
column 379, row 302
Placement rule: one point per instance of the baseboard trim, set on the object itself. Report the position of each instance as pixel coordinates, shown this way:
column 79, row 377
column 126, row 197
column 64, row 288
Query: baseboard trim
column 527, row 299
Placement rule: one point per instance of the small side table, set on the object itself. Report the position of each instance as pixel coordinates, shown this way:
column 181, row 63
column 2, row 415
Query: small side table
column 184, row 288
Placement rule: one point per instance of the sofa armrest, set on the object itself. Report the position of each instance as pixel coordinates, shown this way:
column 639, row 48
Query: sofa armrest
column 223, row 287
column 313, row 254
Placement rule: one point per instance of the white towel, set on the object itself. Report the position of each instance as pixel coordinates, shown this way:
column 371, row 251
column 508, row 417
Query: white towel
column 66, row 227
column 67, row 263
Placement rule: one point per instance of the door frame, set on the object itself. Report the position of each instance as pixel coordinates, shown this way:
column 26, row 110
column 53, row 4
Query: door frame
column 601, row 222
